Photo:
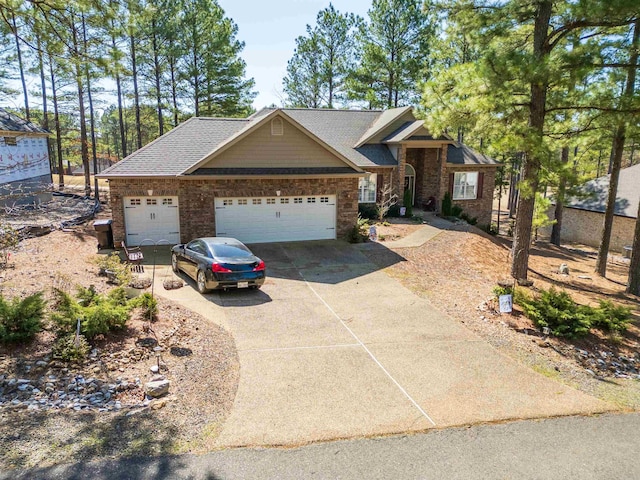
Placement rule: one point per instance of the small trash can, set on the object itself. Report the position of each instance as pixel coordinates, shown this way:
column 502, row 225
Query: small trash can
column 104, row 233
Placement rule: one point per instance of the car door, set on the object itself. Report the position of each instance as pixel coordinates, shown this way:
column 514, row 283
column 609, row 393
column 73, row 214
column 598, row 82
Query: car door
column 192, row 253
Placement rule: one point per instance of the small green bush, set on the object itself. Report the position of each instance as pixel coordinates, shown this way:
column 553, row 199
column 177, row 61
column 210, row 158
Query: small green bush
column 21, row 319
column 148, row 304
column 609, row 317
column 70, row 349
column 456, row 211
column 394, row 211
column 406, row 200
column 112, row 266
column 468, row 218
column 499, row 291
column 565, row 318
column 447, row 203
column 100, row 315
column 359, row 232
column 368, row 211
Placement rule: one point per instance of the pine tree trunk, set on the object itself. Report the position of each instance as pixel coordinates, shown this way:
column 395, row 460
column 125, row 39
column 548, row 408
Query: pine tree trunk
column 556, row 230
column 14, row 29
column 174, row 90
column 56, row 120
column 616, row 159
column 83, row 126
column 136, row 95
column 531, row 162
column 156, row 71
column 92, row 122
column 123, row 138
column 45, row 109
column 633, row 284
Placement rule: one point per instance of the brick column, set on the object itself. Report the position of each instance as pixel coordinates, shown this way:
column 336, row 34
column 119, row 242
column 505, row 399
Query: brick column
column 402, row 155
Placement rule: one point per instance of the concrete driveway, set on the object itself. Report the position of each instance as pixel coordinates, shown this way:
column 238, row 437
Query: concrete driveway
column 332, row 347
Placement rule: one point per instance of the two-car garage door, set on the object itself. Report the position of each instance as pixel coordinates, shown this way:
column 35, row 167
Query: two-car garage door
column 276, row 219
column 150, row 220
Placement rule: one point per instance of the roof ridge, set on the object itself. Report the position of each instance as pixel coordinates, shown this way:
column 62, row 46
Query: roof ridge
column 360, row 110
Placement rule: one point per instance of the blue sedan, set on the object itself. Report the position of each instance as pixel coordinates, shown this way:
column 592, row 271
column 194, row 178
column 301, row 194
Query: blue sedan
column 218, row 263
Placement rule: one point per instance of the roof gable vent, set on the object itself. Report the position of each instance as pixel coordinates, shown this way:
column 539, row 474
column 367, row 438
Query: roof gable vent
column 277, row 126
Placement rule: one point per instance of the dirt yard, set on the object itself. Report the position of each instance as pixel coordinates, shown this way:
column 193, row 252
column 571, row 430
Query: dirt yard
column 197, row 357
column 457, row 271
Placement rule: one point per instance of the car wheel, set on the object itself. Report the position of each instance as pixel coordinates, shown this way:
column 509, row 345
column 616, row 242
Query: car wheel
column 174, row 263
column 255, row 287
column 202, row 282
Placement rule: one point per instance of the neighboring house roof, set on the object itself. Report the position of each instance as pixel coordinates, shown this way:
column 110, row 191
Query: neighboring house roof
column 10, row 122
column 189, row 148
column 460, row 154
column 594, row 194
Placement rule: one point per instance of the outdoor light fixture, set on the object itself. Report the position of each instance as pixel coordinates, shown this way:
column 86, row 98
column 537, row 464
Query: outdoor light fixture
column 277, row 193
column 150, row 193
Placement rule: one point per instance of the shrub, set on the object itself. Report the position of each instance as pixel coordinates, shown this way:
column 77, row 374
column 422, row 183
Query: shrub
column 447, row 203
column 468, row 218
column 100, row 315
column 148, row 304
column 359, row 232
column 394, row 211
column 9, row 239
column 406, row 200
column 609, row 317
column 21, row 319
column 111, row 265
column 565, row 318
column 368, row 211
column 71, row 349
column 456, row 211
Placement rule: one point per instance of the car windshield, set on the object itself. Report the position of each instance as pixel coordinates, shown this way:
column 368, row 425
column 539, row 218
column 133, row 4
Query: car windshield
column 230, row 251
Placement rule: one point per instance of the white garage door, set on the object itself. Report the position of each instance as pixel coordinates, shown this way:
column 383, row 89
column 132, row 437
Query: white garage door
column 276, row 219
column 149, row 220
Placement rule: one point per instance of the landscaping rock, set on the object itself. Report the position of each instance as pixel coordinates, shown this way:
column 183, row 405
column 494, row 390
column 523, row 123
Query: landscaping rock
column 157, row 388
column 172, row 284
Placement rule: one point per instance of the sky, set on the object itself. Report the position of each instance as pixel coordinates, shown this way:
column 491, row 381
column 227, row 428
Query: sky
column 269, row 30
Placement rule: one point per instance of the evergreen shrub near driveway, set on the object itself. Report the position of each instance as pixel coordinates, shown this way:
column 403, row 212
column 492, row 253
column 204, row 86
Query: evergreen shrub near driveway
column 556, row 310
column 21, row 319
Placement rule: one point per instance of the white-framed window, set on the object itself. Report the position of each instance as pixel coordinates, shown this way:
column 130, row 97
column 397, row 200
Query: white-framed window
column 367, row 188
column 226, row 202
column 465, row 185
column 271, row 201
column 167, row 201
column 152, row 201
column 324, row 199
column 311, row 199
column 297, row 200
column 242, row 201
column 284, row 200
column 134, row 201
column 257, row 201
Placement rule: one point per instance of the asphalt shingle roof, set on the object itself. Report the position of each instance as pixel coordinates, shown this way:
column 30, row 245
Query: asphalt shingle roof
column 460, row 154
column 177, row 150
column 13, row 123
column 594, row 194
column 192, row 141
column 274, row 171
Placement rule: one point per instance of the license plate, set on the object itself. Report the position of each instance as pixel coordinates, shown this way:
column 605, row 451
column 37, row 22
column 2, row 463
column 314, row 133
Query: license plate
column 243, row 284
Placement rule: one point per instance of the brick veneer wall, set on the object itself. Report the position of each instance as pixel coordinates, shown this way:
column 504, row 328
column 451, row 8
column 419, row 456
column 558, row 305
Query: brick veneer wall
column 480, row 208
column 585, row 227
column 196, row 199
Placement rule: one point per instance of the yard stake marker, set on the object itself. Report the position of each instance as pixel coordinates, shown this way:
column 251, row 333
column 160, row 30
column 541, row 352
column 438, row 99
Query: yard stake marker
column 406, row 394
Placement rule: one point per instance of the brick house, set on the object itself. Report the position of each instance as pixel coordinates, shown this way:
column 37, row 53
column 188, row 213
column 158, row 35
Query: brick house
column 288, row 174
column 583, row 215
column 25, row 175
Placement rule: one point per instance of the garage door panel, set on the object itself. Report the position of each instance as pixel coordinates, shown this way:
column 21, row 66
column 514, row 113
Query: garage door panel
column 276, row 219
column 151, row 220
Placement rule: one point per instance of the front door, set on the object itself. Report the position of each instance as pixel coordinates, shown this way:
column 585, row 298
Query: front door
column 410, row 182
